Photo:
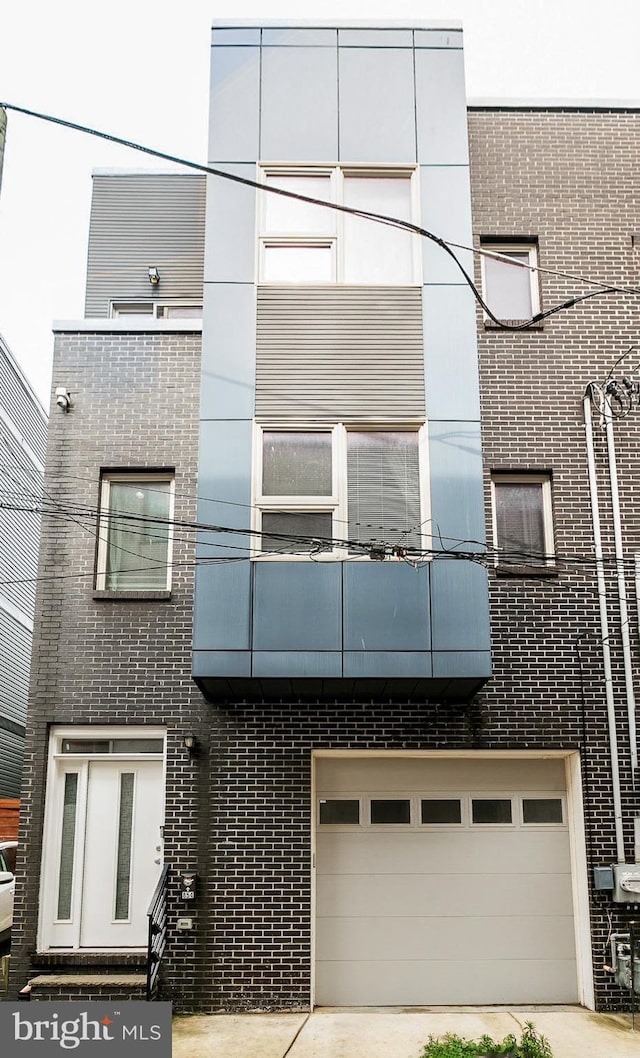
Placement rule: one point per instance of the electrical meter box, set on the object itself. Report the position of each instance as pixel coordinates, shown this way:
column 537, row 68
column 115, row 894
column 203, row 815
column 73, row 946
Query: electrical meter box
column 626, row 888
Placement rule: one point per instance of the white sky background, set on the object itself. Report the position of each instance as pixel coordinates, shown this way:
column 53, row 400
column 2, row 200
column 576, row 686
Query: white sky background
column 140, row 70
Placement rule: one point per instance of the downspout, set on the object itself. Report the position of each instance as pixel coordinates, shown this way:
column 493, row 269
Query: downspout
column 622, row 585
column 604, row 627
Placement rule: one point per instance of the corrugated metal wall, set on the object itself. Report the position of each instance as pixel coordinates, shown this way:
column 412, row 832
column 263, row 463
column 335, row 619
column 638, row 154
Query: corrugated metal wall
column 340, row 353
column 15, row 649
column 19, row 525
column 18, row 404
column 11, row 755
column 138, row 221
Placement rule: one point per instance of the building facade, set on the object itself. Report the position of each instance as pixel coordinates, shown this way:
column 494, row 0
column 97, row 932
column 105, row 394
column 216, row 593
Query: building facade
column 23, row 431
column 272, row 667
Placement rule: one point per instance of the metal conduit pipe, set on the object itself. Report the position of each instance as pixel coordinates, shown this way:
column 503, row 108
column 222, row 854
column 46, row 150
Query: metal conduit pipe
column 622, row 583
column 604, row 627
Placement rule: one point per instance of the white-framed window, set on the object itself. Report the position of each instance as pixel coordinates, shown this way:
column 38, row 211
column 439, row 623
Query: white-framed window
column 510, row 280
column 522, row 519
column 324, row 490
column 304, row 243
column 156, row 310
column 135, row 535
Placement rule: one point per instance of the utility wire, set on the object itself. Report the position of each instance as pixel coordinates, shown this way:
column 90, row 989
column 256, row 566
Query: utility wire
column 380, row 218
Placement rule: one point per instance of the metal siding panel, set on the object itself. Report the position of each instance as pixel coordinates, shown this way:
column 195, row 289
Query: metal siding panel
column 221, row 663
column 297, row 606
column 15, row 651
column 441, row 108
column 299, row 663
column 386, row 608
column 228, row 351
column 457, row 499
column 221, row 614
column 459, row 607
column 230, row 249
column 12, row 756
column 225, row 487
column 234, row 109
column 299, row 104
column 456, row 663
column 20, row 408
column 446, row 211
column 377, row 106
column 387, row 663
column 340, row 353
column 375, row 38
column 19, row 528
column 451, row 352
column 300, row 37
column 142, row 220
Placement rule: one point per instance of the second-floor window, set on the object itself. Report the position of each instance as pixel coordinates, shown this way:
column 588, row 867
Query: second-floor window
column 134, row 544
column 509, row 280
column 522, row 520
column 305, row 243
column 328, row 490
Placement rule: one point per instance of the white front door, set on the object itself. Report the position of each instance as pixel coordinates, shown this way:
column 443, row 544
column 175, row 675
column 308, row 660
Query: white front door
column 121, row 852
column 103, row 843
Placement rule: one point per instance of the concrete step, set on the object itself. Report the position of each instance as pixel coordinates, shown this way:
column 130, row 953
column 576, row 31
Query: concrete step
column 78, row 986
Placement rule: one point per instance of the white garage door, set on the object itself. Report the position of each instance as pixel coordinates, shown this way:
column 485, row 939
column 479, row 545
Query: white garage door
column 443, row 882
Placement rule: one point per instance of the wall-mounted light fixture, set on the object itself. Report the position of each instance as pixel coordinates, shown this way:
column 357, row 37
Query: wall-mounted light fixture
column 190, row 743
column 63, row 398
column 154, row 276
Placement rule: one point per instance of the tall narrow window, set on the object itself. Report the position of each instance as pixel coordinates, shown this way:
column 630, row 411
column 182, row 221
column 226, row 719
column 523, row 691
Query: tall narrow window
column 523, row 527
column 135, row 532
column 125, row 825
column 67, row 845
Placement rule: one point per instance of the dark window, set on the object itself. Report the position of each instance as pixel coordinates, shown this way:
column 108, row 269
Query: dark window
column 445, row 810
column 390, row 811
column 339, row 811
column 491, row 810
column 541, row 810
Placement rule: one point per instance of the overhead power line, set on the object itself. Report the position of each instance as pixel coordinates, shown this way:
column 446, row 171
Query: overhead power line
column 379, row 218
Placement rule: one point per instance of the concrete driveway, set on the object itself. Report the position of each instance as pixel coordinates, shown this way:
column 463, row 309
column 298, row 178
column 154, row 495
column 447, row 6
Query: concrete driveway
column 397, row 1033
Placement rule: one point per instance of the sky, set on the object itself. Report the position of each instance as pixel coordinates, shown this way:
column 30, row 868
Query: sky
column 140, row 70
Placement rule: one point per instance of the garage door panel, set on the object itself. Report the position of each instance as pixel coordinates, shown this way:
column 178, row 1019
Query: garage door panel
column 419, row 983
column 437, row 895
column 381, row 939
column 462, row 851
column 438, row 775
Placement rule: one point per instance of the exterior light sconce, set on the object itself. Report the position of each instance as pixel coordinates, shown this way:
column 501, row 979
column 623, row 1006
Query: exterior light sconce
column 154, row 276
column 190, row 743
column 63, row 398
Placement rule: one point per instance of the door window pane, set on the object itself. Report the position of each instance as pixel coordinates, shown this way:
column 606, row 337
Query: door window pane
column 296, row 464
column 541, row 810
column 125, row 826
column 383, row 486
column 390, row 811
column 491, row 810
column 444, row 810
column 340, row 811
column 67, row 845
column 302, row 527
column 375, row 252
column 298, row 264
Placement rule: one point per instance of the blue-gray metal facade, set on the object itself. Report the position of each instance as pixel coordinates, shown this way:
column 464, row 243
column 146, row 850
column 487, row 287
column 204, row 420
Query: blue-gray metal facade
column 350, row 96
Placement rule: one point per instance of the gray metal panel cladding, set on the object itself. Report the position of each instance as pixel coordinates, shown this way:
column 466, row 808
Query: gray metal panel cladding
column 19, row 406
column 15, row 650
column 340, row 353
column 11, row 755
column 141, row 220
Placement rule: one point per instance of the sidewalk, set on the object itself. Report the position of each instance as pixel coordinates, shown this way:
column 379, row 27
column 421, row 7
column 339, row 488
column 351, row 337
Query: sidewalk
column 397, row 1032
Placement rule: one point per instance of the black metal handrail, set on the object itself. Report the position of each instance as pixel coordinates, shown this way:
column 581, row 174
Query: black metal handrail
column 157, row 915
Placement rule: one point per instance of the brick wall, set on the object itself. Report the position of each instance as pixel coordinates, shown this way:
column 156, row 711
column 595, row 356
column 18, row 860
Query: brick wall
column 569, row 179
column 114, row 662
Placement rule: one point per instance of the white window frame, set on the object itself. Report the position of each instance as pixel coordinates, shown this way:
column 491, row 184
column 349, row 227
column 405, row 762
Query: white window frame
column 335, row 240
column 507, row 478
column 505, row 249
column 337, row 503
column 118, row 309
column 148, row 477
